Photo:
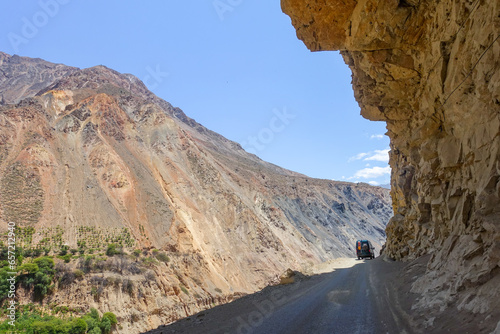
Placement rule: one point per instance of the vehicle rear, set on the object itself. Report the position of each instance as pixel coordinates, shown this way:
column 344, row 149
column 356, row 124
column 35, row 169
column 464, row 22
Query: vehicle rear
column 364, row 249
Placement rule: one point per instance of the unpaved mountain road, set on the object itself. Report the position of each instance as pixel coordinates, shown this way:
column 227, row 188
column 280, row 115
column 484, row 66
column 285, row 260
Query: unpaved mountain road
column 342, row 302
column 351, row 299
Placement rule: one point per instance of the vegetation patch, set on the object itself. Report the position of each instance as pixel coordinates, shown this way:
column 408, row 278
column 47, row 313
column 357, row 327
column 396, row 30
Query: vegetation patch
column 35, row 322
column 89, row 239
column 99, row 239
column 161, row 256
column 38, row 275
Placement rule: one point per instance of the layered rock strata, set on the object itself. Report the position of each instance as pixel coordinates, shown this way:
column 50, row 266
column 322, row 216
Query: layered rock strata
column 430, row 70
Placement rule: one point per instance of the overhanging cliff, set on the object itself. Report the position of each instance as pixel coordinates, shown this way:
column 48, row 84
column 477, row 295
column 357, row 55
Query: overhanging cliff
column 430, row 71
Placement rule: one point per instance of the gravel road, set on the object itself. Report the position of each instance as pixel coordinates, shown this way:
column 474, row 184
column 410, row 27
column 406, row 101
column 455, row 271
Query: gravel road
column 348, row 300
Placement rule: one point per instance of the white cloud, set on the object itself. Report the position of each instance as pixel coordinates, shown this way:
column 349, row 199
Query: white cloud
column 374, row 183
column 357, row 157
column 379, row 155
column 374, row 172
column 376, row 136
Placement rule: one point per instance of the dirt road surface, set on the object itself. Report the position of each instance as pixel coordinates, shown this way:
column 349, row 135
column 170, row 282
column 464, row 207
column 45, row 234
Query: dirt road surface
column 353, row 298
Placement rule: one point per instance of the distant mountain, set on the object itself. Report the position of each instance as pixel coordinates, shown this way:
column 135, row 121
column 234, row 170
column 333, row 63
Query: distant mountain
column 22, row 77
column 91, row 160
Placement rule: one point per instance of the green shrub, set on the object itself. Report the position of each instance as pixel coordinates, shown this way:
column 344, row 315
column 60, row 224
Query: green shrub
column 62, row 309
column 149, row 261
column 113, row 250
column 41, row 279
column 45, row 263
column 105, row 325
column 53, row 325
column 95, row 330
column 37, row 252
column 64, row 250
column 26, row 252
column 94, row 314
column 87, row 261
column 78, row 326
column 33, row 322
column 78, row 273
column 19, row 259
column 67, row 258
column 111, row 316
column 42, row 284
column 46, row 250
column 29, row 268
column 4, row 283
column 161, row 256
column 91, row 323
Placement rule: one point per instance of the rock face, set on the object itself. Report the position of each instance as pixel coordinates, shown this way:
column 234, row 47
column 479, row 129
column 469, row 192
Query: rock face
column 430, row 70
column 94, row 158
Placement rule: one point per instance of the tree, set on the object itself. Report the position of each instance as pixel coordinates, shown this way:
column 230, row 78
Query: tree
column 4, row 283
column 49, row 326
column 42, row 284
column 113, row 250
column 105, row 325
column 39, row 274
column 95, row 330
column 46, row 264
column 78, row 326
column 28, row 268
column 94, row 314
column 111, row 316
column 34, row 323
column 91, row 323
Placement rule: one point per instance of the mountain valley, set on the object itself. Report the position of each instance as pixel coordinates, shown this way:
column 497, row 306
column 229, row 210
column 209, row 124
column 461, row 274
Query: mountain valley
column 147, row 213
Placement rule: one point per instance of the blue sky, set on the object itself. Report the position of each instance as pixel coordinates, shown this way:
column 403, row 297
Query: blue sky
column 236, row 66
